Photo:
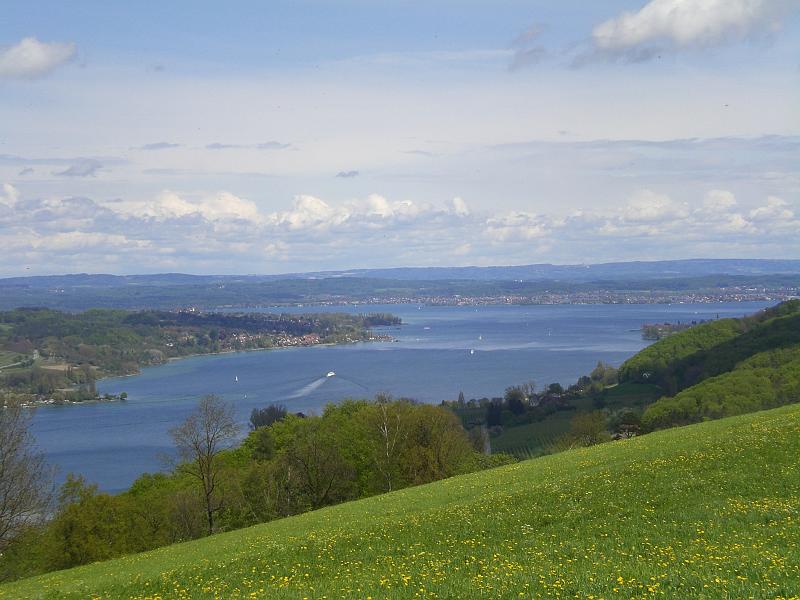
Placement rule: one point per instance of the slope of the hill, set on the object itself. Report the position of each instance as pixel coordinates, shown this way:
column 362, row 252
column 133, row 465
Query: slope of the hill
column 686, row 358
column 765, row 380
column 711, row 510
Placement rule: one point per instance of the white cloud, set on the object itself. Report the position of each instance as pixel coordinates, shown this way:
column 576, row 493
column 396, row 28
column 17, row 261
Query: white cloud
column 677, row 24
column 516, row 226
column 308, row 212
column 222, row 232
column 170, row 205
column 31, row 58
column 776, row 209
column 10, row 195
column 460, row 207
column 718, row 200
column 647, row 206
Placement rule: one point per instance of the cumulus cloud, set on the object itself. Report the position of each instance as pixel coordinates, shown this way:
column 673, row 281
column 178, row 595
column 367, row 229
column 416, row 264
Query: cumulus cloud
column 170, row 205
column 85, row 167
column 775, row 210
column 10, row 195
column 646, row 206
column 460, row 207
column 662, row 25
column 717, row 200
column 31, row 58
column 347, row 174
column 221, row 231
column 517, row 226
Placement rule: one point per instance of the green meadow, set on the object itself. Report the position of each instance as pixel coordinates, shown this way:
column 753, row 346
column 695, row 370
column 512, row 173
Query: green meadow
column 711, row 510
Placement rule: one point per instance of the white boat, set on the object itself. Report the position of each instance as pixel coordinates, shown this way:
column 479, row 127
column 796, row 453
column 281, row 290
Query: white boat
column 330, row 374
column 236, row 379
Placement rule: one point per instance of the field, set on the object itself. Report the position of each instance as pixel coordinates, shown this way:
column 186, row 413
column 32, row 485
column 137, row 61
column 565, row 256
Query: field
column 706, row 511
column 532, row 439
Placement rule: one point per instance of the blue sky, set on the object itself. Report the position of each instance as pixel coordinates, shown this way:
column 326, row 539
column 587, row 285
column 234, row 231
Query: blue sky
column 272, row 137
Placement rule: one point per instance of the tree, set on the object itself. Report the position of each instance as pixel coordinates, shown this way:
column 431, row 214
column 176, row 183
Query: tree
column 588, row 429
column 389, row 421
column 494, row 412
column 264, row 417
column 199, row 440
column 25, row 484
column 516, row 400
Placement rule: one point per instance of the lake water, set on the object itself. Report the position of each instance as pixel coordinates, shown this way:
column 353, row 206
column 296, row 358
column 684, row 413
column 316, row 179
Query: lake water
column 440, row 351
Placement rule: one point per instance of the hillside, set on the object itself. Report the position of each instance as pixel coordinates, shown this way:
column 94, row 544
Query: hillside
column 709, row 510
column 722, row 368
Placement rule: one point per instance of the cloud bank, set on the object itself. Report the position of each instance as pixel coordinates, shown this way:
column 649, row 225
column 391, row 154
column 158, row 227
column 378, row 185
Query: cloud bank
column 223, row 232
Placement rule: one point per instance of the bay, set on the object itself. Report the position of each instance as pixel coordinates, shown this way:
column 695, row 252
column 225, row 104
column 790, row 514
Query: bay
column 438, row 352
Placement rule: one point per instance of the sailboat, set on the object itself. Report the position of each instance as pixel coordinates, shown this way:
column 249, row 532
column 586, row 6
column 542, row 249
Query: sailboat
column 236, row 379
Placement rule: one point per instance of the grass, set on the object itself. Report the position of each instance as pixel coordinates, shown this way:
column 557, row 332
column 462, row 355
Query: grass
column 706, row 511
column 7, row 358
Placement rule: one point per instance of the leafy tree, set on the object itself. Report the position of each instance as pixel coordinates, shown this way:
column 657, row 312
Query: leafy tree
column 516, row 400
column 589, row 428
column 309, row 449
column 90, row 526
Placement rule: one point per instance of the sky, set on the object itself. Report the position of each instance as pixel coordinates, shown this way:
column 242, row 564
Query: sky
column 251, row 137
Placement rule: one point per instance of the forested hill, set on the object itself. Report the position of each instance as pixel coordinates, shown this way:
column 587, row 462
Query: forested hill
column 44, row 351
column 725, row 367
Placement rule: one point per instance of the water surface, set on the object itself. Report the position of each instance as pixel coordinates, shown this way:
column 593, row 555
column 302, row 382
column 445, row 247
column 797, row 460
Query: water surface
column 439, row 351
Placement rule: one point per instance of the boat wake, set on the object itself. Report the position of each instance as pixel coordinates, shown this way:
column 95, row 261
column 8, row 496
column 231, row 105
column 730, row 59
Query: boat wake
column 306, row 390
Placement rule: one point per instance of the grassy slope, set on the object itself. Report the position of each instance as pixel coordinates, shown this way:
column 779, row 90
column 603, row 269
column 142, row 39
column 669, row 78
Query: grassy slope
column 711, row 510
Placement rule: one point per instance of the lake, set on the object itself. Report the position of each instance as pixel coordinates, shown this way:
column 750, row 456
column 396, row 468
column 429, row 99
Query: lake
column 439, row 351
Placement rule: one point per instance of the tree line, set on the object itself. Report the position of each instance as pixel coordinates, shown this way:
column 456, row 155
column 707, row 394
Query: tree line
column 292, row 464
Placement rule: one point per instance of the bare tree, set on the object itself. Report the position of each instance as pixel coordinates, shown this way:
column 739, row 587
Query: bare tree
column 25, row 480
column 199, row 439
column 389, row 420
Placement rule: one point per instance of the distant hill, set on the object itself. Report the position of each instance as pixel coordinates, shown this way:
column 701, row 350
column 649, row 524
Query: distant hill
column 671, row 269
column 707, row 511
column 526, row 284
column 593, row 272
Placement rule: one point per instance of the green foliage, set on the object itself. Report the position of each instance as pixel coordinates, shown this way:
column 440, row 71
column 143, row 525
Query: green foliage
column 355, row 449
column 766, row 380
column 704, row 511
column 686, row 358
